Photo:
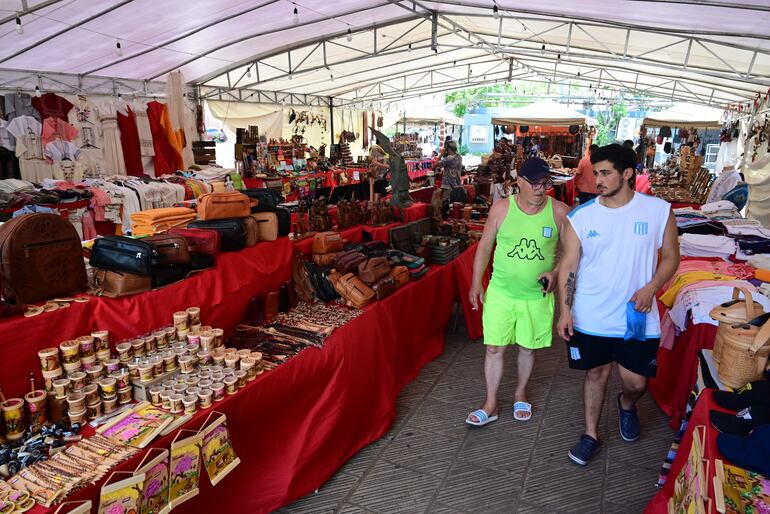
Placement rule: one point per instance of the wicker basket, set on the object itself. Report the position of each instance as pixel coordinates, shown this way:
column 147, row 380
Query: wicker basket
column 731, row 313
column 745, row 349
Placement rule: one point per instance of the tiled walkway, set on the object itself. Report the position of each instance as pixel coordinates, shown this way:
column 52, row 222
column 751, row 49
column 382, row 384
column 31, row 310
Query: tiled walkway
column 431, row 461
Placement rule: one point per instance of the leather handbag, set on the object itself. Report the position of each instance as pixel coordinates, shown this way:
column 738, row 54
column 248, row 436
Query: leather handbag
column 372, row 270
column 284, row 221
column 172, row 248
column 348, row 262
column 384, row 287
column 118, row 253
column 326, row 259
column 267, row 200
column 327, row 242
column 199, row 240
column 400, row 274
column 166, row 274
column 201, row 261
column 271, row 303
column 40, row 258
column 252, row 230
column 374, row 248
column 217, row 206
column 117, row 283
column 232, row 232
column 357, row 294
column 301, row 276
column 319, row 278
column 268, row 225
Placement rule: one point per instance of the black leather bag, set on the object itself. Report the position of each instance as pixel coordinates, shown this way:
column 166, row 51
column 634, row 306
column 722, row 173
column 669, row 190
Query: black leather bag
column 232, row 230
column 166, row 274
column 284, row 221
column 319, row 278
column 118, row 253
column 200, row 261
column 266, row 198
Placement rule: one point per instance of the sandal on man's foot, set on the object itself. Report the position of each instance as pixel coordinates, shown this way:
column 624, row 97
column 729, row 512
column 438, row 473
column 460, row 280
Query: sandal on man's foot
column 584, row 450
column 522, row 411
column 482, row 418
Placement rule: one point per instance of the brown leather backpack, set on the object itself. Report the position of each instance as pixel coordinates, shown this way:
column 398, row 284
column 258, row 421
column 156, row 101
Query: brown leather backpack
column 41, row 258
column 356, row 293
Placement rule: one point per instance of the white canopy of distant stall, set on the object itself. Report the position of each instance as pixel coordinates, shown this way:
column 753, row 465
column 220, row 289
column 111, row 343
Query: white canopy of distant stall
column 447, row 119
column 686, row 115
column 544, row 112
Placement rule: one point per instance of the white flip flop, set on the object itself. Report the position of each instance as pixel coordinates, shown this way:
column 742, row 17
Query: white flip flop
column 522, row 407
column 483, row 418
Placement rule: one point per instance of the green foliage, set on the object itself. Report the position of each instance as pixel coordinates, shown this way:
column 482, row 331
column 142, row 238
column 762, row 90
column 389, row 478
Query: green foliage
column 497, row 95
column 464, row 150
column 608, row 121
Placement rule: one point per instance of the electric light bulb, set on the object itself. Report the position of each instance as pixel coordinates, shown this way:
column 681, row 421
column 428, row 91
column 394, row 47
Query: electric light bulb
column 295, row 19
column 495, row 12
column 118, row 49
column 350, row 36
column 248, row 72
column 19, row 28
column 38, row 93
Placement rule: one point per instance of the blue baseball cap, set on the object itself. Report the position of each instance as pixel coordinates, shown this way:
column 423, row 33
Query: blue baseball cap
column 534, row 169
column 751, row 452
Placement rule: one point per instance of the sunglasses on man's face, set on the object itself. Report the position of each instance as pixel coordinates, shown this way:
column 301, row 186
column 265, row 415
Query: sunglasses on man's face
column 540, row 184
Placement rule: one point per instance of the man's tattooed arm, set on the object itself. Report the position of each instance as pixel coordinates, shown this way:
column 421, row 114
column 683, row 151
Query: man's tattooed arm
column 570, row 289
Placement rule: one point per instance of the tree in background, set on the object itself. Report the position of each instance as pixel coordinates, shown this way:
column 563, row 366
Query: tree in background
column 608, row 121
column 496, row 95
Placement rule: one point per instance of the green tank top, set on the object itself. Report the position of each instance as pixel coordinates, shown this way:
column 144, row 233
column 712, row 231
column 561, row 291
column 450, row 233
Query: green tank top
column 525, row 248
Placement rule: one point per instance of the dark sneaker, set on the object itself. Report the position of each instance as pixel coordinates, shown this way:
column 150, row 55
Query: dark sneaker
column 584, row 450
column 628, row 423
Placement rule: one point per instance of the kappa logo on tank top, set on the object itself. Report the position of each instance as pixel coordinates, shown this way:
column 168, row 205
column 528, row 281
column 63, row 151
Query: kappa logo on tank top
column 527, row 249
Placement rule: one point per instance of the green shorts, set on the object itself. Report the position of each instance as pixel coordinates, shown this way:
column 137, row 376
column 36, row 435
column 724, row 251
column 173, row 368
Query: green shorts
column 528, row 323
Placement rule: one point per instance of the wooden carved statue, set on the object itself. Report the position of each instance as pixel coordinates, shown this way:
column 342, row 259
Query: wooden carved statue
column 399, row 179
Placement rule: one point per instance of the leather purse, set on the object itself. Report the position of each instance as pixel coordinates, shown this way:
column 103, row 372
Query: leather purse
column 252, row 230
column 167, row 274
column 268, row 225
column 284, row 221
column 384, row 287
column 326, row 259
column 319, row 278
column 348, row 262
column 42, row 258
column 267, row 200
column 117, row 283
column 374, row 248
column 327, row 242
column 232, row 232
column 272, row 301
column 118, row 253
column 400, row 274
column 172, row 248
column 372, row 270
column 199, row 240
column 217, row 206
column 302, row 285
column 357, row 294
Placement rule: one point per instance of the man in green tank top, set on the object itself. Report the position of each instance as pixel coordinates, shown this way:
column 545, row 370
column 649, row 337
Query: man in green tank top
column 523, row 231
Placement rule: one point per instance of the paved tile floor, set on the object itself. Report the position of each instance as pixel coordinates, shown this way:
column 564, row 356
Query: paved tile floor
column 431, row 461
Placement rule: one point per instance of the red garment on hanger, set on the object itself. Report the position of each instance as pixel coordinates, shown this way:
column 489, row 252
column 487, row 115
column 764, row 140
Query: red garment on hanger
column 51, row 104
column 167, row 158
column 129, row 140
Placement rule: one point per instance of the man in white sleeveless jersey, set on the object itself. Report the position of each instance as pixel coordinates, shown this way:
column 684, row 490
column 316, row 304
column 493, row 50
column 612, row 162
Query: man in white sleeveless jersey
column 618, row 250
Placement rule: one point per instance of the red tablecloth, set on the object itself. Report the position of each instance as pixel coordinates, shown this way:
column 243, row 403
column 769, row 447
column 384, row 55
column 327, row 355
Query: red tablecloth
column 222, row 293
column 464, row 269
column 677, row 370
column 699, row 416
column 424, row 194
column 295, row 426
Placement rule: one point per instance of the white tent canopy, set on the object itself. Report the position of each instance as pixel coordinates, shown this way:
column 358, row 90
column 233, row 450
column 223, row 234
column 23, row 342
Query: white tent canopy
column 366, row 52
column 686, row 115
column 544, row 112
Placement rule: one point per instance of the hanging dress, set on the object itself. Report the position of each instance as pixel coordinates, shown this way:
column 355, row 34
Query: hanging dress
column 113, row 151
column 129, row 140
column 84, row 116
column 167, row 157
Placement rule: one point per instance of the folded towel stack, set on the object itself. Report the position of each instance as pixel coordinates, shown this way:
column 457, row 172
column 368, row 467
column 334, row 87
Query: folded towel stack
column 156, row 221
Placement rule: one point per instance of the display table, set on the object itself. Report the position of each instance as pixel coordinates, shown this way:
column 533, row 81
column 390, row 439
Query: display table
column 296, row 425
column 464, row 269
column 700, row 416
column 677, row 370
column 223, row 294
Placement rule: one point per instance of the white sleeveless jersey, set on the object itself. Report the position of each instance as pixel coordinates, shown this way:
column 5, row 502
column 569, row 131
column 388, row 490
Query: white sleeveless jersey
column 619, row 257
